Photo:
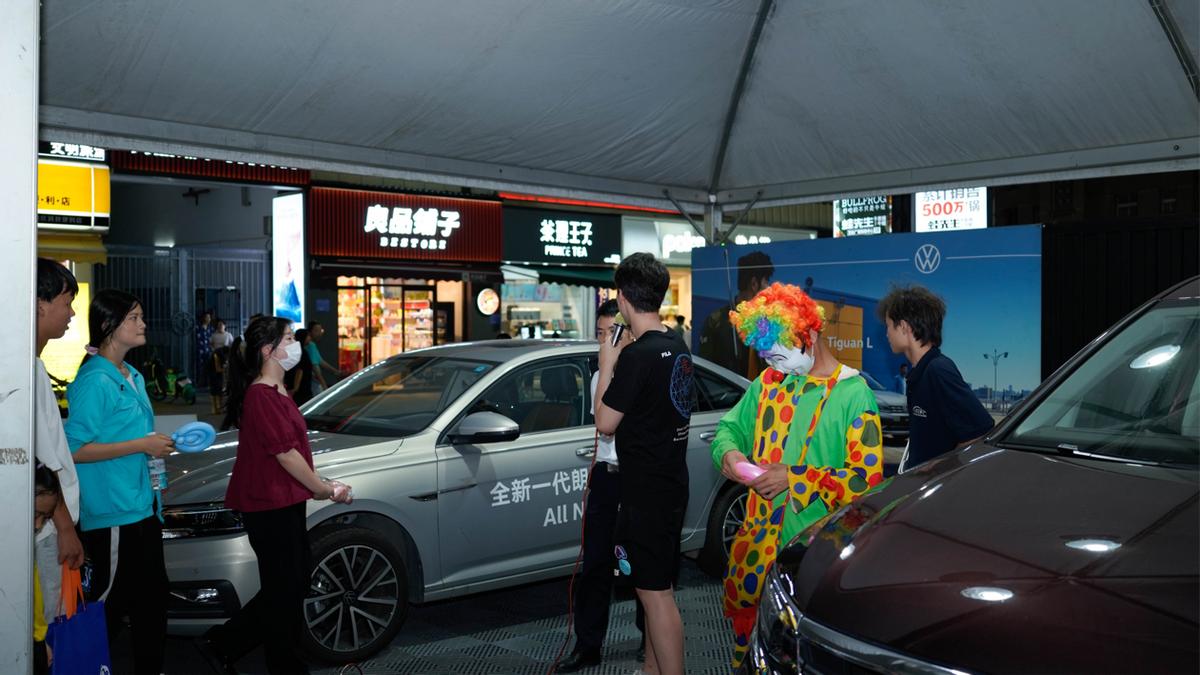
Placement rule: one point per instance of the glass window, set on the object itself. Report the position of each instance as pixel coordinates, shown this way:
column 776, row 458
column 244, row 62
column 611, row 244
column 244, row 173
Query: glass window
column 715, row 393
column 394, row 398
column 540, row 398
column 1137, row 398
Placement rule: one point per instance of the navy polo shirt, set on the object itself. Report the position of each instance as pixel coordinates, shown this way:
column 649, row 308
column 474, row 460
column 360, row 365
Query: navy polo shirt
column 942, row 410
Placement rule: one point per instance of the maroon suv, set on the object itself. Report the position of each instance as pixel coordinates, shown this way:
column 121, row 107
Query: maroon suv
column 1066, row 541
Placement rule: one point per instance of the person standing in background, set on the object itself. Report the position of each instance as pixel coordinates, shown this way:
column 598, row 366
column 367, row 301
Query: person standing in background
column 57, row 542
column 943, row 413
column 902, row 380
column 220, row 338
column 315, row 332
column 204, row 333
column 299, row 379
column 111, row 432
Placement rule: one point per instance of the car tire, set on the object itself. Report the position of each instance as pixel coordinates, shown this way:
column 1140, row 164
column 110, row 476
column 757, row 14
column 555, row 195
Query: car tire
column 728, row 512
column 348, row 565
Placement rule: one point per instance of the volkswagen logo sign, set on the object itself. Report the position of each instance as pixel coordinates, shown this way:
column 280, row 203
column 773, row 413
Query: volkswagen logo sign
column 927, row 259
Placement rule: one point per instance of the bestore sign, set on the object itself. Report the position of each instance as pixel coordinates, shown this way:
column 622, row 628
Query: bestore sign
column 366, row 224
column 424, row 228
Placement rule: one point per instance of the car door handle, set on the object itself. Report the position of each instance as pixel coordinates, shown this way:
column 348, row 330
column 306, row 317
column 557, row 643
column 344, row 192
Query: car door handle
column 707, row 435
column 586, row 451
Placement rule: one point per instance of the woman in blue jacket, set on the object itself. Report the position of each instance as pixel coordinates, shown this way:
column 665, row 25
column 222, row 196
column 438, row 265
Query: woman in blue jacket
column 111, row 434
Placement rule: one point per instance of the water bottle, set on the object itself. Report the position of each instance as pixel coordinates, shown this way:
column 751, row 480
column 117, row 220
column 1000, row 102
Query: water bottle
column 158, row 473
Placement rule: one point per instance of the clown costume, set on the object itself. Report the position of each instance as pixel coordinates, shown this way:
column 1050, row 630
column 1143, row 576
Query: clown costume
column 825, row 430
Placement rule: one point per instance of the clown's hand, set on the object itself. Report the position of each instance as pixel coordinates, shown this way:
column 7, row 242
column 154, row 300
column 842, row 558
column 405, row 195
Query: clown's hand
column 773, row 481
column 728, row 466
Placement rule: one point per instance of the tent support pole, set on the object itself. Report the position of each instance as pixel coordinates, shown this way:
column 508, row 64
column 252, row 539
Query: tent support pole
column 1175, row 36
column 687, row 216
column 739, row 88
column 741, row 217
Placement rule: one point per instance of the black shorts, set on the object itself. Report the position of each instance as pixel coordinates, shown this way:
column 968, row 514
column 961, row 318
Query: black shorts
column 650, row 533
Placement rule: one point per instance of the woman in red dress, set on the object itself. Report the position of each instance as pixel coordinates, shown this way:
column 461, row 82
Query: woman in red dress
column 273, row 479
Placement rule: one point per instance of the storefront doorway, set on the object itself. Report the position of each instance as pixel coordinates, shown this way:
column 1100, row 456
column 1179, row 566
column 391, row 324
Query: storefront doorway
column 378, row 318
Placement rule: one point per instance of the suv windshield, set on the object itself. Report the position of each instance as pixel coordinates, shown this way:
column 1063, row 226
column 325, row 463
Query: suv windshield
column 394, row 398
column 1136, row 399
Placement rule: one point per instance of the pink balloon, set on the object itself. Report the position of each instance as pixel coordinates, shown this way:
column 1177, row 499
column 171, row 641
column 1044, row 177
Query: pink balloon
column 748, row 471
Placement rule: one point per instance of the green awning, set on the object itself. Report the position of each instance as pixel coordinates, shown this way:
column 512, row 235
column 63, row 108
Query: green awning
column 600, row 277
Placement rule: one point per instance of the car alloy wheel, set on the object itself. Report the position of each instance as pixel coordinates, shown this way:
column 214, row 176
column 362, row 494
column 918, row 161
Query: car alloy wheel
column 729, row 510
column 357, row 596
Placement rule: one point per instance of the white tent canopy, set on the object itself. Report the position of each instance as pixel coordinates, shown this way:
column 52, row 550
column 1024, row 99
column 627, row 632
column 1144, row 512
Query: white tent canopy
column 783, row 100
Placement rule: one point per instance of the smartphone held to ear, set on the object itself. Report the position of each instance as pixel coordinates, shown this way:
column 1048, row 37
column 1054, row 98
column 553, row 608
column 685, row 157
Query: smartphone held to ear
column 618, row 330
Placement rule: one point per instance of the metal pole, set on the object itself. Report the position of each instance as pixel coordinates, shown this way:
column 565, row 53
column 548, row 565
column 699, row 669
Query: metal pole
column 18, row 248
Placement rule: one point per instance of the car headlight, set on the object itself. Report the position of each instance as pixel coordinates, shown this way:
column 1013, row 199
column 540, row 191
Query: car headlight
column 199, row 520
column 774, row 650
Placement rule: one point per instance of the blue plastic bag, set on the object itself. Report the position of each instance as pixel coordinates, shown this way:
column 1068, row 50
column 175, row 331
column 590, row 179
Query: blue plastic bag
column 78, row 638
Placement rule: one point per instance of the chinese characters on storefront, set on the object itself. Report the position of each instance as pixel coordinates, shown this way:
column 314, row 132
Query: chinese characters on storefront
column 861, row 216
column 545, row 236
column 957, row 209
column 404, row 227
column 566, row 238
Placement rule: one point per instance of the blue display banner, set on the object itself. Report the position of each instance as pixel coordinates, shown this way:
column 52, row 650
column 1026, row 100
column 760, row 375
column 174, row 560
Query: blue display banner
column 990, row 279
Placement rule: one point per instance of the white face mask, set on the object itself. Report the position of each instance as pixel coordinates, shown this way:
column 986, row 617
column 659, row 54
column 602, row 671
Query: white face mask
column 293, row 356
column 792, row 360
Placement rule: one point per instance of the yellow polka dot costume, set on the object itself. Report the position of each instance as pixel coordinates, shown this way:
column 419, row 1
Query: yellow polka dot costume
column 827, row 431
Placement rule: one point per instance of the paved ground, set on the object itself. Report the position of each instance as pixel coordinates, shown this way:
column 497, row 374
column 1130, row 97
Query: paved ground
column 509, row 632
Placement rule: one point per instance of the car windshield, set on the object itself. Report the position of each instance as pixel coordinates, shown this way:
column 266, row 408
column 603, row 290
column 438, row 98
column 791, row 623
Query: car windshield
column 394, row 398
column 1136, row 399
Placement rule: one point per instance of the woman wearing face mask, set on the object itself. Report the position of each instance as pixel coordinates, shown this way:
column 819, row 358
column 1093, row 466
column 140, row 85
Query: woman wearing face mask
column 272, row 479
column 810, row 426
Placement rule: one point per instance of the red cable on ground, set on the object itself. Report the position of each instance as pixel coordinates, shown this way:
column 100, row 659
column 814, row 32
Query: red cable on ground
column 578, row 561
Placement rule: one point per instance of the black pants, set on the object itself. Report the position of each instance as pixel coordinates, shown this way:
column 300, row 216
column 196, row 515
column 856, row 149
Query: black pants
column 139, row 590
column 593, row 586
column 274, row 616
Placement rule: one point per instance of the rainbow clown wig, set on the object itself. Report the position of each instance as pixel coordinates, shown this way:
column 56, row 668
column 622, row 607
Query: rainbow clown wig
column 780, row 314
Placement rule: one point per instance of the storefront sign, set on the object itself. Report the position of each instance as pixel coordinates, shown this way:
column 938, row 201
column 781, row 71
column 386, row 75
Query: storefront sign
column 673, row 241
column 72, row 195
column 71, row 151
column 287, row 264
column 862, row 215
column 539, row 236
column 958, row 209
column 358, row 223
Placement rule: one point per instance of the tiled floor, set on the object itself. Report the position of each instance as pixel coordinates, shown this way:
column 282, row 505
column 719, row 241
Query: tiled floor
column 508, row 632
column 522, row 630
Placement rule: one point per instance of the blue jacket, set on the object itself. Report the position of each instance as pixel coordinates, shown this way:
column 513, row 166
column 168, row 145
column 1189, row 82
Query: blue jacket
column 104, row 408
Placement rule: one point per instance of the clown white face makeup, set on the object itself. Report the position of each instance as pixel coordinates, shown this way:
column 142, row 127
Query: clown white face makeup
column 793, row 360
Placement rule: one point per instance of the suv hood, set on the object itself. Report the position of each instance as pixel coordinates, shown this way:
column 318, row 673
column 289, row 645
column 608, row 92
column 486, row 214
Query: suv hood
column 201, row 477
column 990, row 557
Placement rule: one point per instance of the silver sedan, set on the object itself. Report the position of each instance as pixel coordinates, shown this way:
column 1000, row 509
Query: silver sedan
column 468, row 463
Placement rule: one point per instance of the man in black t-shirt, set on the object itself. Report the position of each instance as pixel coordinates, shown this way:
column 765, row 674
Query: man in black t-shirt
column 943, row 413
column 645, row 392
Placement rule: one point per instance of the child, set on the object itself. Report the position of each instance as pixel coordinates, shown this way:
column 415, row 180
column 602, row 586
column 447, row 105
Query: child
column 45, row 500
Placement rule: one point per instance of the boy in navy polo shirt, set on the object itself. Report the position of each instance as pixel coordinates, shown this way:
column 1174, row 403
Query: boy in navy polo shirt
column 943, row 413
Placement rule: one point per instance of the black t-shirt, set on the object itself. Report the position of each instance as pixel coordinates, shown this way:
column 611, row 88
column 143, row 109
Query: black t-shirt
column 942, row 410
column 652, row 386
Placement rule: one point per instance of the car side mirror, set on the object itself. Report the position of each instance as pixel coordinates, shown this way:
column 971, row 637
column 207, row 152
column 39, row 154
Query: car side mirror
column 484, row 427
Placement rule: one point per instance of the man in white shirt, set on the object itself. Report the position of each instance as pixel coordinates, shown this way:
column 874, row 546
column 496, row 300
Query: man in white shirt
column 57, row 542
column 593, row 586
